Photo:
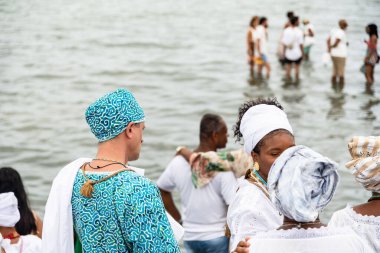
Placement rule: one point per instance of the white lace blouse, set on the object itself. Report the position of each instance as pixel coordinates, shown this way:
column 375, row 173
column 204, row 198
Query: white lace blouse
column 250, row 212
column 367, row 227
column 312, row 240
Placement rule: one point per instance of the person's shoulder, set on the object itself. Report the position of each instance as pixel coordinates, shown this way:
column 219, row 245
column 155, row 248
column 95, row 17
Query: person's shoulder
column 178, row 161
column 135, row 180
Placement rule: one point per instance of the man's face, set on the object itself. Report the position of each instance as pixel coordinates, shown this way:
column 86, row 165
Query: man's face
column 221, row 136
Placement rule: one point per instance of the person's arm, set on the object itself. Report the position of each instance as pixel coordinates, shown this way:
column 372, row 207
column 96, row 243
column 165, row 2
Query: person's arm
column 39, row 224
column 336, row 43
column 243, row 246
column 167, row 198
column 249, row 44
column 185, row 152
column 311, row 33
column 328, row 44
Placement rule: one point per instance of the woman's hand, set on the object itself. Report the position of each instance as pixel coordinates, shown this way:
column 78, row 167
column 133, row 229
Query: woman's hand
column 243, row 246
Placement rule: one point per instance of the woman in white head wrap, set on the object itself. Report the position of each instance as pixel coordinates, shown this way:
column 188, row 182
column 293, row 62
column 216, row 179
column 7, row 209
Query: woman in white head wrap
column 364, row 218
column 10, row 241
column 265, row 129
column 301, row 183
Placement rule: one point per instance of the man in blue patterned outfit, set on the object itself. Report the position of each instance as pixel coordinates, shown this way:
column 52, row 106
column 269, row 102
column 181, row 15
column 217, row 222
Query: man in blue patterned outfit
column 113, row 208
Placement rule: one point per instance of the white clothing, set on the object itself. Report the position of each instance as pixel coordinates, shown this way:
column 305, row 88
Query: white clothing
column 261, row 40
column 341, row 49
column 312, row 240
column 250, row 212
column 309, row 40
column 260, row 120
column 292, row 39
column 9, row 213
column 26, row 244
column 204, row 209
column 366, row 227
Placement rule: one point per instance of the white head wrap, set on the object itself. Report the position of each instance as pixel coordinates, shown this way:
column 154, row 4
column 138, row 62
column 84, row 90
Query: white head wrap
column 260, row 120
column 302, row 182
column 365, row 163
column 9, row 214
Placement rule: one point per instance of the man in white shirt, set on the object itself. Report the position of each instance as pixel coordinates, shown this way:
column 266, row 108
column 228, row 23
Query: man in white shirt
column 292, row 41
column 204, row 209
column 261, row 51
column 337, row 47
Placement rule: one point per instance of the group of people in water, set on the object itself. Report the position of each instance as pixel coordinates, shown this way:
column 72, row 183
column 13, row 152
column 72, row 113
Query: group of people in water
column 265, row 197
column 295, row 45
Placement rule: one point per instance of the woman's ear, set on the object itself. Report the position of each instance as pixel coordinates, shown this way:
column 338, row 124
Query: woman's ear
column 255, row 156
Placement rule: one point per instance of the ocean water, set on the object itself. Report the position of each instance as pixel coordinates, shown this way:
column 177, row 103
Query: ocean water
column 181, row 59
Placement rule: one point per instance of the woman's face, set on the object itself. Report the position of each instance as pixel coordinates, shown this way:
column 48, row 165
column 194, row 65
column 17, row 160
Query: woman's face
column 272, row 148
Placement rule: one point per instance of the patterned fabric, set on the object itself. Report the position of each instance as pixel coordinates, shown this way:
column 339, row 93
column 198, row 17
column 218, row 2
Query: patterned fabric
column 302, row 182
column 365, row 163
column 205, row 166
column 110, row 114
column 125, row 214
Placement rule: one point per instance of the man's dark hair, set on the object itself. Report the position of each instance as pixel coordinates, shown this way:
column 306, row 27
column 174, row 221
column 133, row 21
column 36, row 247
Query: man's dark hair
column 294, row 20
column 210, row 123
column 262, row 20
column 290, row 14
column 244, row 108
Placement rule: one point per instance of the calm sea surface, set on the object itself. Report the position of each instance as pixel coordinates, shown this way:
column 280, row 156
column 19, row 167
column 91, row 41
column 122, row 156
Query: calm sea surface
column 181, row 59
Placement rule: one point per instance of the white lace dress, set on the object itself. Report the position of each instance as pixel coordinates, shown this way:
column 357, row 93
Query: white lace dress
column 312, row 240
column 250, row 212
column 367, row 227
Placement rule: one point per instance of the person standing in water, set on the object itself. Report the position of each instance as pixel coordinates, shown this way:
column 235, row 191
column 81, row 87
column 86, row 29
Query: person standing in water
column 372, row 56
column 251, row 43
column 337, row 47
column 261, row 44
column 292, row 41
column 308, row 38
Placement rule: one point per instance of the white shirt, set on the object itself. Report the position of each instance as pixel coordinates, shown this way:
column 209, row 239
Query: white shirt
column 26, row 244
column 366, row 227
column 292, row 38
column 341, row 49
column 309, row 40
column 204, row 210
column 250, row 212
column 260, row 37
column 312, row 240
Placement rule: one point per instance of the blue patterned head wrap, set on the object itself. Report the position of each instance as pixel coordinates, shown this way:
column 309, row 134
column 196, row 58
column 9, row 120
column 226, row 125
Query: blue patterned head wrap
column 110, row 114
column 302, row 182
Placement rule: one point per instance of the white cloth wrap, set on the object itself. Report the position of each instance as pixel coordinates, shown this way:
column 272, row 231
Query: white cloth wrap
column 260, row 120
column 302, row 182
column 9, row 214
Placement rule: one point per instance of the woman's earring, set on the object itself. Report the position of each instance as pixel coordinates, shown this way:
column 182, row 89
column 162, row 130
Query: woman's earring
column 256, row 166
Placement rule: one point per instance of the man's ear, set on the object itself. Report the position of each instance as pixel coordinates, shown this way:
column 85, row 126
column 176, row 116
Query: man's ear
column 129, row 130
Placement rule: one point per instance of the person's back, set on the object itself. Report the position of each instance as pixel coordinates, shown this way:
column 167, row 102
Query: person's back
column 124, row 207
column 364, row 218
column 292, row 39
column 316, row 240
column 204, row 208
column 341, row 49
